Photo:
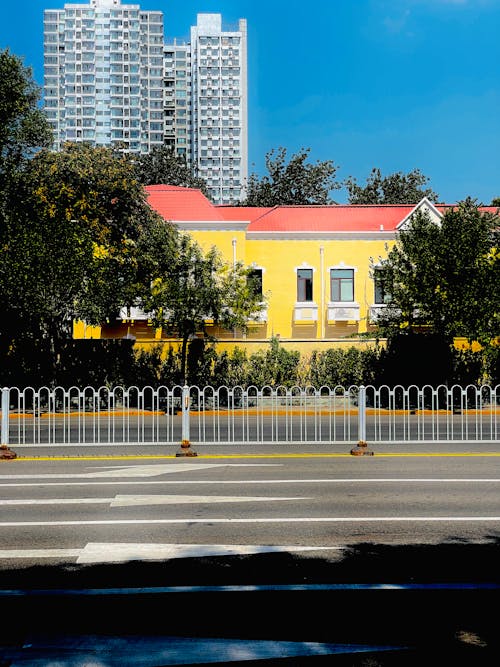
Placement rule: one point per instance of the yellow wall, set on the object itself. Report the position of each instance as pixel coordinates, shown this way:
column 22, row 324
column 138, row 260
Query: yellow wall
column 223, row 240
column 279, row 258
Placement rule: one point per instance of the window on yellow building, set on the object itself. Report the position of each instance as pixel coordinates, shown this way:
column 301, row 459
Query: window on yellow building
column 381, row 294
column 342, row 284
column 255, row 282
column 304, row 284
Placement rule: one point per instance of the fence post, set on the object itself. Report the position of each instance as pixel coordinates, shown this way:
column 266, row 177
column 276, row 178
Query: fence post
column 361, row 447
column 5, row 416
column 5, row 452
column 185, row 448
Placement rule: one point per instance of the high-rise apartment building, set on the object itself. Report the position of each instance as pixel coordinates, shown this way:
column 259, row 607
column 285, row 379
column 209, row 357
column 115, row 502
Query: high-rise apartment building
column 219, row 106
column 110, row 79
column 178, row 99
column 103, row 74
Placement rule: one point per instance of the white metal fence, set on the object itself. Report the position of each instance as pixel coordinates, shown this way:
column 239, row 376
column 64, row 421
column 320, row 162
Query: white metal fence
column 225, row 415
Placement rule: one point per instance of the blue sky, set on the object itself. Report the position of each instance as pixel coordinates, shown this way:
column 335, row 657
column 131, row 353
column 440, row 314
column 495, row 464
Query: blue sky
column 394, row 84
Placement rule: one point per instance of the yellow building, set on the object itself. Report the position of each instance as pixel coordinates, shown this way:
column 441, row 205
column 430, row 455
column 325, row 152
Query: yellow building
column 313, row 263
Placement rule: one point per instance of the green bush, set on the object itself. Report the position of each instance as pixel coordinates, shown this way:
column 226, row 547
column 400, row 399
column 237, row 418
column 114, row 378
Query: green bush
column 492, row 365
column 414, row 359
column 273, row 367
column 468, row 367
column 231, row 370
column 337, row 366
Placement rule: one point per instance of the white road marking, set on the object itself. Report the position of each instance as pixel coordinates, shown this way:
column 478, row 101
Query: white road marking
column 120, row 552
column 130, row 500
column 102, row 552
column 282, row 520
column 40, row 553
column 138, row 471
column 127, row 501
column 239, row 482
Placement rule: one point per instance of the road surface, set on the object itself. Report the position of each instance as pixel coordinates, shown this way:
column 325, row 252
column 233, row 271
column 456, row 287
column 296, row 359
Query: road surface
column 399, row 550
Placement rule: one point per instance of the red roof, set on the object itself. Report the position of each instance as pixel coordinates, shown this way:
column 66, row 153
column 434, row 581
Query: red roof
column 243, row 212
column 337, row 218
column 180, row 204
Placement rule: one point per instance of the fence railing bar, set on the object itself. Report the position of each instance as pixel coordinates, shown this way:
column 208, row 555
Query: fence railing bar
column 256, row 415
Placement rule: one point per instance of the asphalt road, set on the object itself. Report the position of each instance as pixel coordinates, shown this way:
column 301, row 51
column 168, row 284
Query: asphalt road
column 305, row 546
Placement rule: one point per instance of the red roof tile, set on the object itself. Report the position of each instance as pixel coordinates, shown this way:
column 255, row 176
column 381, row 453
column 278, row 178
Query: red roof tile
column 338, row 218
column 181, row 204
column 243, row 212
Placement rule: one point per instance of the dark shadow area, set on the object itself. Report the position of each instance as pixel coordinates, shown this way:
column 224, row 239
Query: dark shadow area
column 451, row 623
column 452, row 561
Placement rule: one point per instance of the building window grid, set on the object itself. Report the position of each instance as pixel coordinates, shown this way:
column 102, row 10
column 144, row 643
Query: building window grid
column 342, row 285
column 88, row 28
column 381, row 294
column 304, row 285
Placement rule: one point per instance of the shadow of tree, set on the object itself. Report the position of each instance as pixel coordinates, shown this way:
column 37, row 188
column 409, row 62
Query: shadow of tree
column 437, row 600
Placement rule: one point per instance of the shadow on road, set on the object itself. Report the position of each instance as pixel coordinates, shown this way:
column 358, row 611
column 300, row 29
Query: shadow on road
column 437, row 603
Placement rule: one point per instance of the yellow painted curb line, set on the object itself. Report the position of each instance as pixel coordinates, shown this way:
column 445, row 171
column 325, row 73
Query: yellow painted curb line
column 111, row 457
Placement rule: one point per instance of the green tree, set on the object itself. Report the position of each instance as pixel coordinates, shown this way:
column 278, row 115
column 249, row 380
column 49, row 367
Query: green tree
column 23, row 126
column 163, row 166
column 190, row 288
column 397, row 188
column 23, row 130
column 443, row 278
column 292, row 182
column 69, row 244
column 495, row 201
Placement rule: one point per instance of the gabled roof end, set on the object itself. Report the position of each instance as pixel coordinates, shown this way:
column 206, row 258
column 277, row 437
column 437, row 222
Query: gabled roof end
column 423, row 203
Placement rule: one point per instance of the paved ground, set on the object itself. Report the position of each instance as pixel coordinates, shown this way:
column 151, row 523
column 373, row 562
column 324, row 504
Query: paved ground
column 436, row 626
column 172, row 612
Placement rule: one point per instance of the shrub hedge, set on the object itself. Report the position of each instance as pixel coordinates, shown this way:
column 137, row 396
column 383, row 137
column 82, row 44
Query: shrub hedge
column 410, row 359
